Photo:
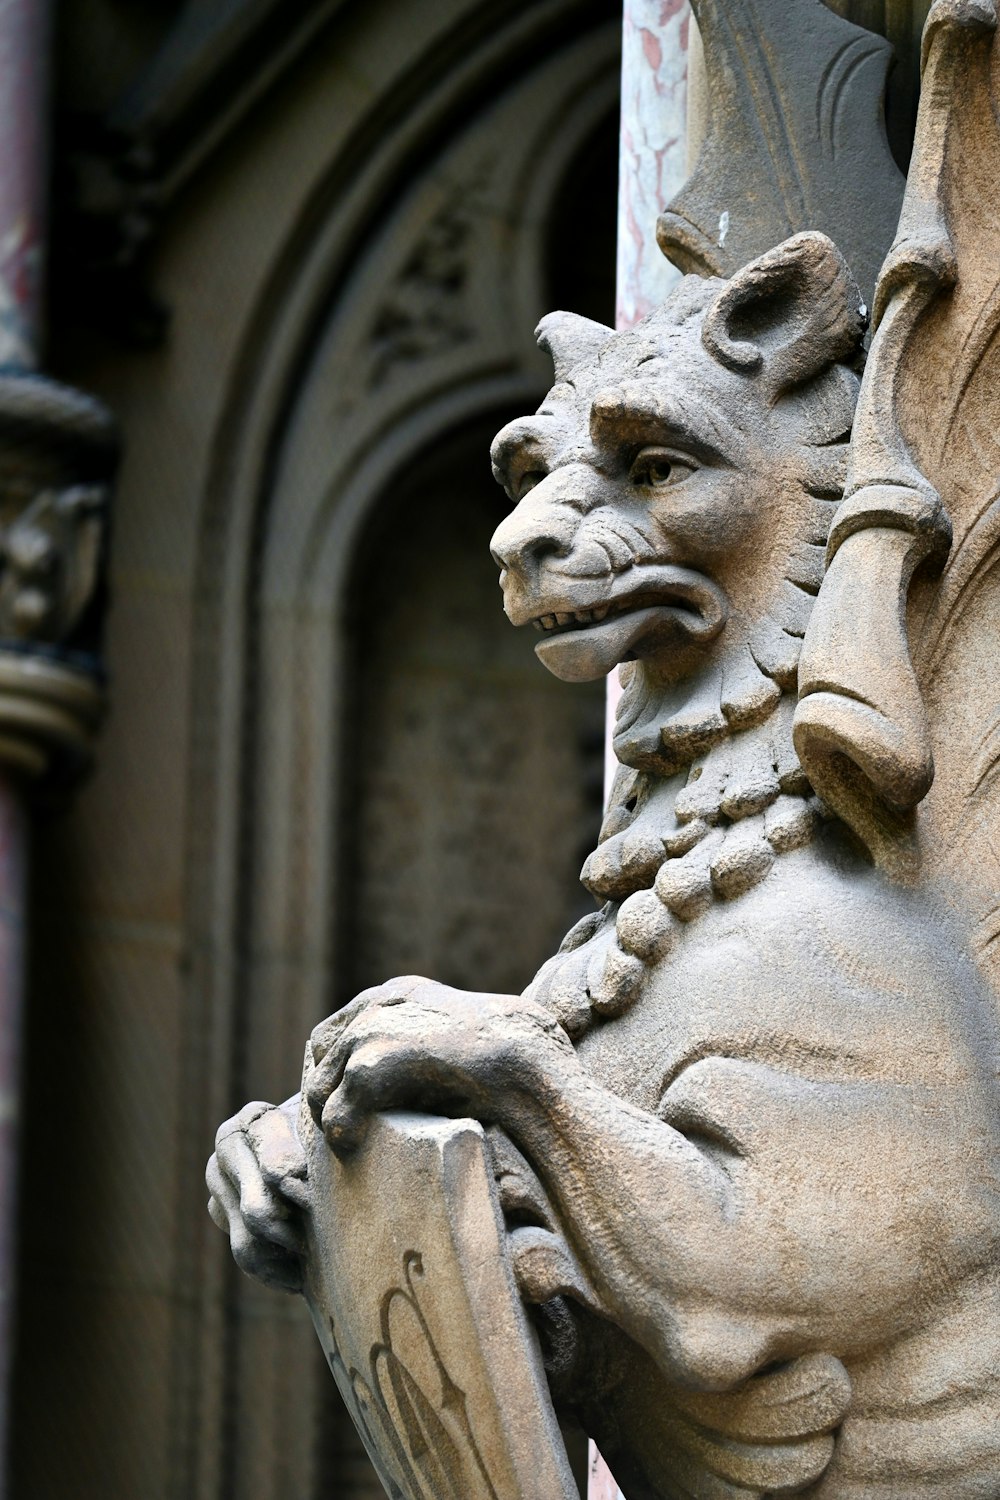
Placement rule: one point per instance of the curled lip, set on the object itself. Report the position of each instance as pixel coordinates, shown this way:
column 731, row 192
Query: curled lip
column 652, row 609
column 643, row 587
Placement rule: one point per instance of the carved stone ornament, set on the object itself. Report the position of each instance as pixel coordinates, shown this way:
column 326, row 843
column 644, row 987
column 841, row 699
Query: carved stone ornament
column 424, row 310
column 740, row 1141
column 58, row 451
column 795, row 110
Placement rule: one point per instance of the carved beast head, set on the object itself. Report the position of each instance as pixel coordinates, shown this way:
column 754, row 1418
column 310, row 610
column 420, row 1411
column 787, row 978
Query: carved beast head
column 673, row 494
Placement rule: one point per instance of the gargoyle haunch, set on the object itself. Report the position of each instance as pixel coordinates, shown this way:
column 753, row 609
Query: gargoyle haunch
column 751, row 1106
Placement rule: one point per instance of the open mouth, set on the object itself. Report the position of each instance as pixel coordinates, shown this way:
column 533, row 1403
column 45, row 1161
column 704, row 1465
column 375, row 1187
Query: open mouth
column 579, row 619
column 674, row 607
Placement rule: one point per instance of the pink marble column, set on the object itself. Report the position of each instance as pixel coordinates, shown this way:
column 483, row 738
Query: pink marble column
column 652, row 149
column 601, row 1482
column 13, row 880
column 24, row 78
column 652, row 167
column 24, row 70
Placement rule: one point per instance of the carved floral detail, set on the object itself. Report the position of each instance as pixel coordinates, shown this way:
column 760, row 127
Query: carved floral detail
column 425, row 310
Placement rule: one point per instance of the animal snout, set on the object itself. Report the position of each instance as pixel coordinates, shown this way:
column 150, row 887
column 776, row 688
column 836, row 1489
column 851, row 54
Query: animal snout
column 529, row 537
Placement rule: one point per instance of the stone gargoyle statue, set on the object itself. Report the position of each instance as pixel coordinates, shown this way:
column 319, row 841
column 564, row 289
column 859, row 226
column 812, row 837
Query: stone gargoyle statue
column 744, row 1125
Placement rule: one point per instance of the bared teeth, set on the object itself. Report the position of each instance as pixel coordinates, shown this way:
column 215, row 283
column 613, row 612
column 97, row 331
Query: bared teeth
column 561, row 618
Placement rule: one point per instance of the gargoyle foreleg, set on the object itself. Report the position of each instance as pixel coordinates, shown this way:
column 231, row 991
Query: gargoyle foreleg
column 633, row 1193
column 720, row 1234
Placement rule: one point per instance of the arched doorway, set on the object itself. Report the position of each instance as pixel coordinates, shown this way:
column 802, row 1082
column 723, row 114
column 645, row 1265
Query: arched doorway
column 417, row 793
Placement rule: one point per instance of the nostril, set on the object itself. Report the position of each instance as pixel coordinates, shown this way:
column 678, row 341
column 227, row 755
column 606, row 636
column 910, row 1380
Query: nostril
column 530, row 536
column 528, row 552
column 544, row 547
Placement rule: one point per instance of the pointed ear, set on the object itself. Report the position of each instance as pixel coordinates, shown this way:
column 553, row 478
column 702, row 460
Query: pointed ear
column 790, row 313
column 570, row 339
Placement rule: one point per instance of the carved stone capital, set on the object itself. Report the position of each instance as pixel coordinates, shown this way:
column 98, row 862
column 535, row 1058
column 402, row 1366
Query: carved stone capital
column 58, row 451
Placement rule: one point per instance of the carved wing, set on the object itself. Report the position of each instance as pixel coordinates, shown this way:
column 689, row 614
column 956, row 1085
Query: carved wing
column 900, row 675
column 795, row 139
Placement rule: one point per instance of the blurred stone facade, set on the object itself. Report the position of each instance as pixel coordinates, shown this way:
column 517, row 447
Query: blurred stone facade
column 299, row 249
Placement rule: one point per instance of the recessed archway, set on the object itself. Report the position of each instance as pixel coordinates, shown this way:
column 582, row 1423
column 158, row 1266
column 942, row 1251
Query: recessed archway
column 396, row 330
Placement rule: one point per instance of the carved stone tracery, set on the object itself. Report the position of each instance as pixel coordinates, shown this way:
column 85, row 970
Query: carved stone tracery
column 542, row 78
column 426, row 310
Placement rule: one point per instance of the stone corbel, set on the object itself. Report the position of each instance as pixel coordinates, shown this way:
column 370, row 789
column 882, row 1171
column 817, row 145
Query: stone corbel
column 57, row 457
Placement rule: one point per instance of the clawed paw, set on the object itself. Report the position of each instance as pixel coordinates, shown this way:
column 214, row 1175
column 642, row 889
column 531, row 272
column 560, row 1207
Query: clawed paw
column 415, row 1044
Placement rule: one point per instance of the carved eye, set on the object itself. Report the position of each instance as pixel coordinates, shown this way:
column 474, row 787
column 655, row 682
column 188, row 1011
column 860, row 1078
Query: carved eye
column 528, row 481
column 657, row 468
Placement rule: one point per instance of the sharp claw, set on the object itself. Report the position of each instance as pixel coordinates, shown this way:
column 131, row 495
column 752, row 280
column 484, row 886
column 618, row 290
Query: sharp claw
column 316, row 1099
column 342, row 1128
column 278, row 1269
column 296, row 1190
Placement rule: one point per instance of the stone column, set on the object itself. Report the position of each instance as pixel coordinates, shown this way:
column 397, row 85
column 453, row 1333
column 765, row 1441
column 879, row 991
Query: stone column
column 652, row 150
column 652, row 166
column 13, row 863
column 24, row 28
column 56, row 457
